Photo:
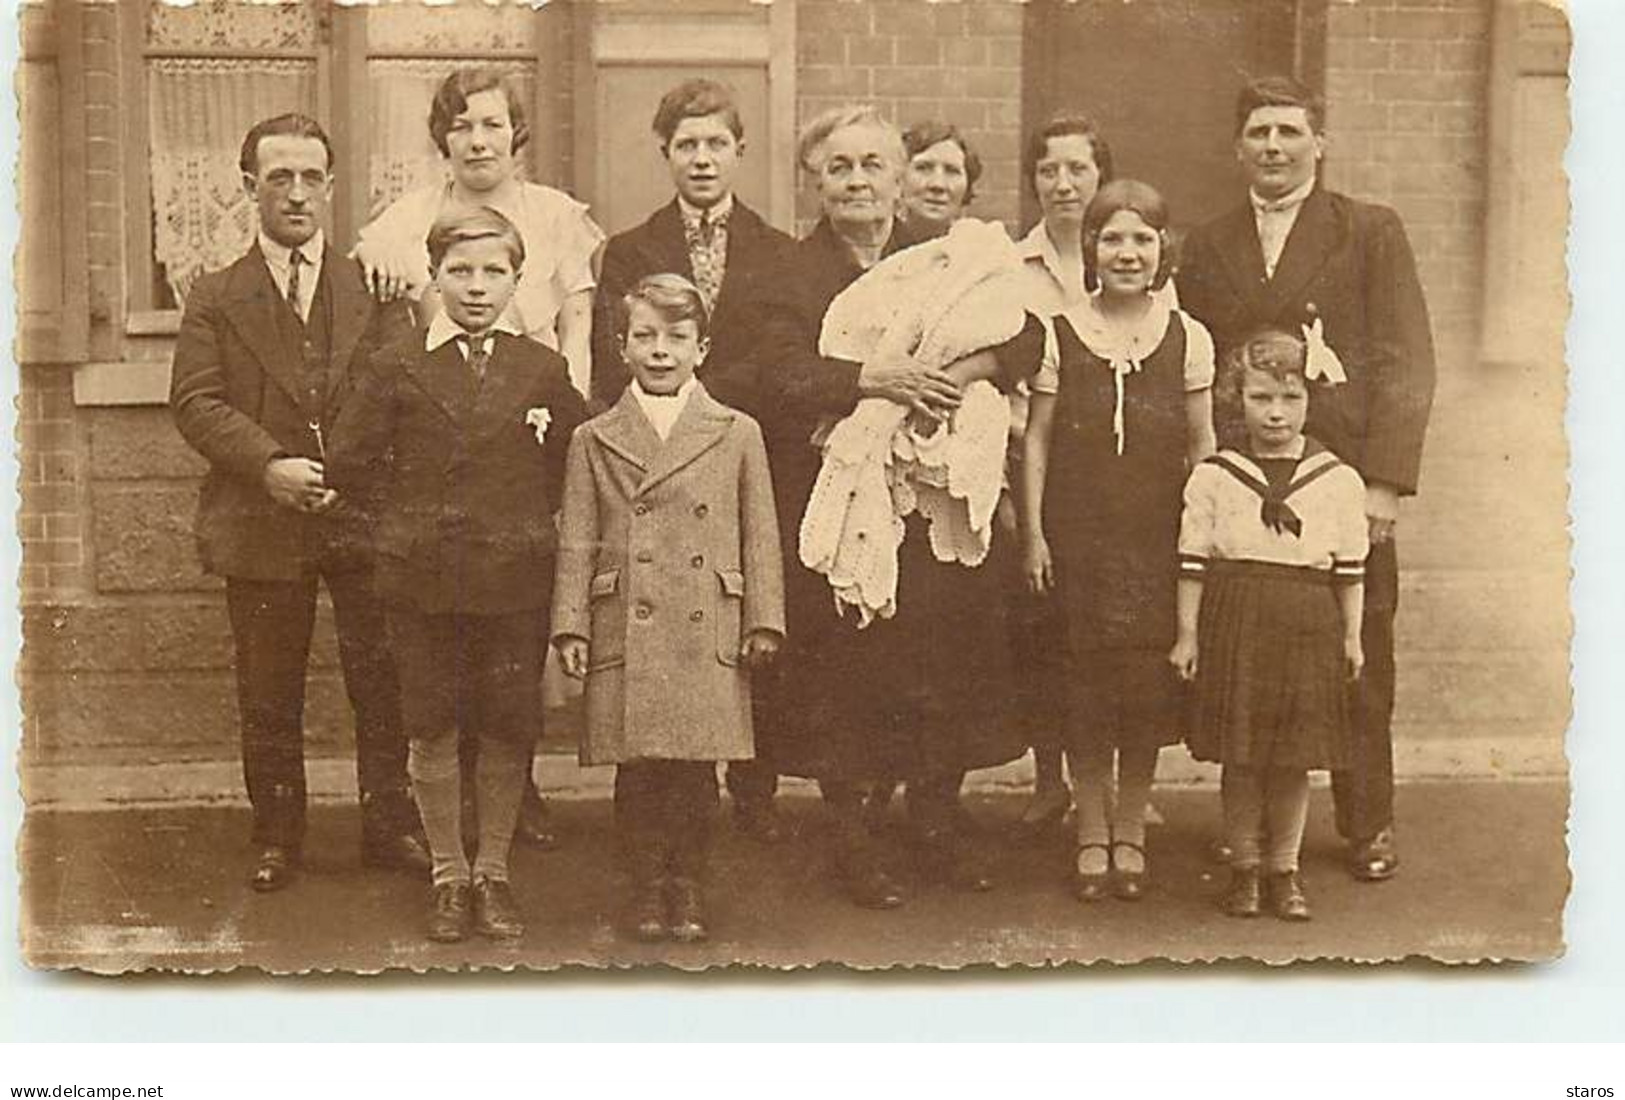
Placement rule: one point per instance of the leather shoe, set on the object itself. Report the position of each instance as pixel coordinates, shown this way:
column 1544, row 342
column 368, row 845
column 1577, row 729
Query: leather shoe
column 685, row 908
column 646, row 916
column 496, row 915
column 1376, row 859
column 1243, row 898
column 397, row 852
column 449, row 912
column 273, row 869
column 535, row 825
column 760, row 823
column 1220, row 852
column 1287, row 900
column 873, row 888
column 1128, row 885
column 1090, row 885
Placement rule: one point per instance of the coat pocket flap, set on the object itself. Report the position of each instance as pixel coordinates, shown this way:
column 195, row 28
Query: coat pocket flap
column 604, row 584
column 733, row 582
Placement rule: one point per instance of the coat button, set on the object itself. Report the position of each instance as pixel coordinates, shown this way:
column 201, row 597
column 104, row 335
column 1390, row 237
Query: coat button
column 696, row 616
column 640, row 509
column 701, row 511
column 646, row 556
column 697, row 561
column 643, row 611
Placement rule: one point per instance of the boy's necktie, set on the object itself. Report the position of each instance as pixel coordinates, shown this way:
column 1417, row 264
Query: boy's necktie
column 478, row 349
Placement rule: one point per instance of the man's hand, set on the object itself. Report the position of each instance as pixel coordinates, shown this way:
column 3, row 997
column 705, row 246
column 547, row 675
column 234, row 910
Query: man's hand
column 1381, row 511
column 924, row 389
column 297, row 483
column 573, row 657
column 760, row 647
column 386, row 276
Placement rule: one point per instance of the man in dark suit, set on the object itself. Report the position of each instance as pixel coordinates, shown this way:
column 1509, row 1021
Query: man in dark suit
column 262, row 365
column 707, row 235
column 1300, row 257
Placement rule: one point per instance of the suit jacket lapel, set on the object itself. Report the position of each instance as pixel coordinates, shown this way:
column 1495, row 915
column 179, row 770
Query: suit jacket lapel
column 701, row 426
column 1313, row 239
column 444, row 377
column 665, row 247
column 251, row 305
column 1236, row 240
column 744, row 231
column 506, row 387
column 352, row 309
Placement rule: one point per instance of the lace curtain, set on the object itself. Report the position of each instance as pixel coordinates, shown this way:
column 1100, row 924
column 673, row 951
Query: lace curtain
column 200, row 108
column 401, row 155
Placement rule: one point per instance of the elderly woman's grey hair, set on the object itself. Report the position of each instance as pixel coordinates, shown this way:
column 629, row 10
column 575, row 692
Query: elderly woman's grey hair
column 818, row 131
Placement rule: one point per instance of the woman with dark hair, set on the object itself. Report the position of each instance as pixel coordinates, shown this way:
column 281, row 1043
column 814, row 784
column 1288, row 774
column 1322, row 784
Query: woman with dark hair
column 1117, row 419
column 1064, row 163
column 939, row 180
column 921, row 690
column 477, row 121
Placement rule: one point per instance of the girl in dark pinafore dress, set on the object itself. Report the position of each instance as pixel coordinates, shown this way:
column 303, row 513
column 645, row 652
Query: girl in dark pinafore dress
column 1110, row 436
column 1272, row 552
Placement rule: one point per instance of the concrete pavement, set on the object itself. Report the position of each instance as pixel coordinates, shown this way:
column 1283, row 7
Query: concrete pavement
column 115, row 888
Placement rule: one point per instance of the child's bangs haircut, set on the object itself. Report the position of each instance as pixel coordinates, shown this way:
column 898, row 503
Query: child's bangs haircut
column 671, row 296
column 1272, row 351
column 1112, row 198
column 473, row 223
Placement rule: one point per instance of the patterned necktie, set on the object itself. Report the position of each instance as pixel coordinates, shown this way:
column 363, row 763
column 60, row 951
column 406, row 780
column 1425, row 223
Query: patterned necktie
column 478, row 351
column 708, row 254
column 295, row 260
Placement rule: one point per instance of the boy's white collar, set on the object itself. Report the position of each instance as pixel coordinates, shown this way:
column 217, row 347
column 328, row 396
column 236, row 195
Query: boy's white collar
column 442, row 330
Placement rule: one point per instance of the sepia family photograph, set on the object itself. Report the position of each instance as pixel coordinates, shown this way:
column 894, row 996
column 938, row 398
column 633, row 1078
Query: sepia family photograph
column 708, row 483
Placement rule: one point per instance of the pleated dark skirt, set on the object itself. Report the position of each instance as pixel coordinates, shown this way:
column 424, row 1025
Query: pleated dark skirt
column 1270, row 689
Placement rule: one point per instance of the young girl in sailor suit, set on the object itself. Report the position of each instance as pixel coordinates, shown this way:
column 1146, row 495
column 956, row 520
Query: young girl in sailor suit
column 1272, row 549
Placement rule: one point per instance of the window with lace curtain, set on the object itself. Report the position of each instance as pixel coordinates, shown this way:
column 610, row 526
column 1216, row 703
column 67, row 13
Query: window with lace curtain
column 202, row 74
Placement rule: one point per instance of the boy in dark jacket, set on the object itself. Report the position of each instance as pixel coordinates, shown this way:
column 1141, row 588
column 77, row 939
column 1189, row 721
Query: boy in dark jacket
column 457, row 445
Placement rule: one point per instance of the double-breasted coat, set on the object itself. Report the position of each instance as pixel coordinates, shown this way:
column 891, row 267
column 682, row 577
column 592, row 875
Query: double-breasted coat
column 241, row 397
column 668, row 558
column 659, row 245
column 451, row 468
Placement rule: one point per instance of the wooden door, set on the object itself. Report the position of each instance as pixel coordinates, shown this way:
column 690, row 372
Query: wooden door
column 1160, row 78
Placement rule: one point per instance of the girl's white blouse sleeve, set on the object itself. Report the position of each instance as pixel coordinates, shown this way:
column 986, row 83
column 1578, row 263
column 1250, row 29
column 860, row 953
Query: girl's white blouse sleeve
column 1198, row 521
column 1200, row 366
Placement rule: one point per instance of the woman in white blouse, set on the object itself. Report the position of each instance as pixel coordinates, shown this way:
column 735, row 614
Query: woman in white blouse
column 478, row 123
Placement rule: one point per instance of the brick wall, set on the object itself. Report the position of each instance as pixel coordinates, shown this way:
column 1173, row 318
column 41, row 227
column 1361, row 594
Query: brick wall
column 954, row 60
column 50, row 519
column 1407, row 98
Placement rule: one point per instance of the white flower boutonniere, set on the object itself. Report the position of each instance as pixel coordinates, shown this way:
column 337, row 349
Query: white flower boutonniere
column 538, row 419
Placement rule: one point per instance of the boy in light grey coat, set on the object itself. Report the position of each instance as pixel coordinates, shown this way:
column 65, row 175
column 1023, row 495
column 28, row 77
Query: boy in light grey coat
column 669, row 589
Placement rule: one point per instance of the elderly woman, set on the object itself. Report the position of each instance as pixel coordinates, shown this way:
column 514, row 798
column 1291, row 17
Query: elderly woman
column 940, row 178
column 477, row 122
column 922, row 694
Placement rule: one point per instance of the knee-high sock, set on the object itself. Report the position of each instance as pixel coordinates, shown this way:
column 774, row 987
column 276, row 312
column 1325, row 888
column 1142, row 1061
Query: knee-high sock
column 1242, row 790
column 499, row 783
column 1286, row 808
column 433, row 768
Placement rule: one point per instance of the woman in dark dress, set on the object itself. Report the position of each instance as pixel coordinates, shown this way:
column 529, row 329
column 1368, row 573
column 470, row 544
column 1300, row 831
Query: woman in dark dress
column 923, row 695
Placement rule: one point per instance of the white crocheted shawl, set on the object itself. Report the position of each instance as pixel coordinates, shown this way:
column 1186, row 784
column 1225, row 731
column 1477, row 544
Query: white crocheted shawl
column 938, row 301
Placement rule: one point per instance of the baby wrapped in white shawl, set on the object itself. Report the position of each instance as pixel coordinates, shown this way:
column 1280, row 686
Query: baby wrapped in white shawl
column 939, row 302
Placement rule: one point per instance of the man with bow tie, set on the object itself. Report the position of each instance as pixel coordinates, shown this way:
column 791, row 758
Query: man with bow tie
column 1340, row 272
column 710, row 237
column 263, row 363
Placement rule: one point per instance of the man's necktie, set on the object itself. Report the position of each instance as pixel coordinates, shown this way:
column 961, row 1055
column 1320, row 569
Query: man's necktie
column 295, row 260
